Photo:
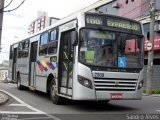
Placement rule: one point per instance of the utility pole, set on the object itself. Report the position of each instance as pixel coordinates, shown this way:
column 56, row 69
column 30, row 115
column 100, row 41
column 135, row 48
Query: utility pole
column 151, row 52
column 1, row 19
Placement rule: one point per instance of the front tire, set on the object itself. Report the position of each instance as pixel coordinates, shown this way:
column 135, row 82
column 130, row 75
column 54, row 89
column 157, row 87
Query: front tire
column 53, row 93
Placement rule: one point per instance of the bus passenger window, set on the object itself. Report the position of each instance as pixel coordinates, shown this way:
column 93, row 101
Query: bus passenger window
column 20, row 49
column 52, row 47
column 43, row 44
column 25, row 49
column 53, row 35
column 44, row 38
column 43, row 50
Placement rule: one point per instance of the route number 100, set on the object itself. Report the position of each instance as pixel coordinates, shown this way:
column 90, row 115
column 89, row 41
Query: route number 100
column 94, row 21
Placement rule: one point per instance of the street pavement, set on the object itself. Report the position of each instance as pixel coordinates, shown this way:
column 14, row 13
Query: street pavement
column 3, row 98
column 27, row 104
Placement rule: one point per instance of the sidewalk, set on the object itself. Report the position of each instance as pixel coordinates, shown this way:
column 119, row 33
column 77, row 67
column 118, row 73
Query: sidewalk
column 3, row 98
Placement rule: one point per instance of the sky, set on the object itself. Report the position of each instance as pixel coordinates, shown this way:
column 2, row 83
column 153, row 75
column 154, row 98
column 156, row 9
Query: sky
column 15, row 23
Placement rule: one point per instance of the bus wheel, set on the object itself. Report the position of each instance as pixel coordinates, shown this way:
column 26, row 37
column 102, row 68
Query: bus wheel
column 53, row 93
column 19, row 86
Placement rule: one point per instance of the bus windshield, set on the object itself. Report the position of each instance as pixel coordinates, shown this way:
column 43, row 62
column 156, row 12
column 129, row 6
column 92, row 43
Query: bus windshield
column 110, row 49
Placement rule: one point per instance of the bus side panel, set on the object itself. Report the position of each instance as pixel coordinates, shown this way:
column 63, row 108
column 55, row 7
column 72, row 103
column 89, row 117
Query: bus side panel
column 23, row 69
column 42, row 73
column 41, row 83
column 44, row 67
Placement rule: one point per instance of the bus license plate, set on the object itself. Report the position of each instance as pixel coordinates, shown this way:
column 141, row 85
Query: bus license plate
column 116, row 96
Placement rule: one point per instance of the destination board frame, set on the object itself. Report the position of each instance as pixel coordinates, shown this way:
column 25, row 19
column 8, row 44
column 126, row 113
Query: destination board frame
column 114, row 23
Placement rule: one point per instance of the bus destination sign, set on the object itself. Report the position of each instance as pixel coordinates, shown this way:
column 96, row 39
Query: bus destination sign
column 122, row 24
column 113, row 23
column 94, row 21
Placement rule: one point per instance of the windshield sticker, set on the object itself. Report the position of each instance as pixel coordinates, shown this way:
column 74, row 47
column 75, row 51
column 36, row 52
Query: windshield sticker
column 89, row 56
column 122, row 62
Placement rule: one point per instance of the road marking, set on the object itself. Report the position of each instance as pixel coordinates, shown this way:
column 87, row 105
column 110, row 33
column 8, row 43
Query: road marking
column 35, row 118
column 12, row 112
column 16, row 105
column 23, row 103
column 26, row 105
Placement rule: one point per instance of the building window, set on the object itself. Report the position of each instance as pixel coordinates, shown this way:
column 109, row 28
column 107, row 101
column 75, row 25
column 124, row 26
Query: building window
column 6, row 74
column 126, row 1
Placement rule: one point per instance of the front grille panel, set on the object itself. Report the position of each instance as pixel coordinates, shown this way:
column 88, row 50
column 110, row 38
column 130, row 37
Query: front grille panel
column 115, row 84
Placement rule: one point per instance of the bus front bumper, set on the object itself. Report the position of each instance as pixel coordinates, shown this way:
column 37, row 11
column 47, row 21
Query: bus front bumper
column 120, row 95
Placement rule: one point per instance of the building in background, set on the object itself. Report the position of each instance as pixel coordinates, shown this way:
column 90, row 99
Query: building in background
column 4, row 70
column 41, row 22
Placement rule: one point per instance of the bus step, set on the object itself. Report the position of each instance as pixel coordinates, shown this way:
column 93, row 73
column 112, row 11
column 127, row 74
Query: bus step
column 32, row 88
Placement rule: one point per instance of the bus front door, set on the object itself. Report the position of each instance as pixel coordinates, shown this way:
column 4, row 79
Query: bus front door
column 14, row 64
column 66, row 64
column 32, row 65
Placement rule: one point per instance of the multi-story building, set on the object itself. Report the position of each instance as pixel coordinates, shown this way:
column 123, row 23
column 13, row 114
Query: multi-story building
column 41, row 22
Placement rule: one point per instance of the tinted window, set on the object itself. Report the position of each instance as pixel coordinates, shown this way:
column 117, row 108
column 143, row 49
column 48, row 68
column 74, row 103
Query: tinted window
column 44, row 38
column 110, row 49
column 25, row 48
column 20, row 49
column 43, row 50
column 53, row 35
column 52, row 47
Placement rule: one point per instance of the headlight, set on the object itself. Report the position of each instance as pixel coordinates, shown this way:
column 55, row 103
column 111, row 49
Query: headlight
column 140, row 85
column 85, row 82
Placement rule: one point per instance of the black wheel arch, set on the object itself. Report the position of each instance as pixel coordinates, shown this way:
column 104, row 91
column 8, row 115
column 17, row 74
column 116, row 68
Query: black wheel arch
column 49, row 80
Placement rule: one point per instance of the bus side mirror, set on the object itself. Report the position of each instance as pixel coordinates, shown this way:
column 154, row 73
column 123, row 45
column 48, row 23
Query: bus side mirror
column 74, row 38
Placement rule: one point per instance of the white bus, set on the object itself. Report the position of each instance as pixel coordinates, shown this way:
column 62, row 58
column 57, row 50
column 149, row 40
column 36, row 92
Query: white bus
column 88, row 56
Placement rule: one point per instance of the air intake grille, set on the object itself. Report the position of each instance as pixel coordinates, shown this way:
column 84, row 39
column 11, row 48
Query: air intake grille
column 110, row 84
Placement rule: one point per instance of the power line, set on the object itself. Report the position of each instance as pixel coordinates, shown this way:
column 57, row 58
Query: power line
column 135, row 8
column 6, row 5
column 15, row 8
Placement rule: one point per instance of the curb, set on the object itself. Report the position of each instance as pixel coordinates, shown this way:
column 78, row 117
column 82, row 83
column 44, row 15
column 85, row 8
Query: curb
column 3, row 98
column 156, row 95
column 153, row 95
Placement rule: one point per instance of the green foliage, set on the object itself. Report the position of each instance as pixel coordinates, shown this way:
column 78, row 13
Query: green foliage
column 154, row 91
column 144, row 90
